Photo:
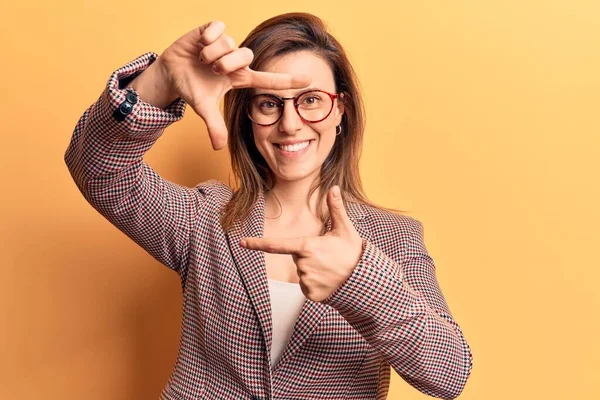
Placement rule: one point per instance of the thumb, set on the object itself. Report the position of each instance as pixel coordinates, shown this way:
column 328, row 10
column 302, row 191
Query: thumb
column 339, row 217
column 217, row 130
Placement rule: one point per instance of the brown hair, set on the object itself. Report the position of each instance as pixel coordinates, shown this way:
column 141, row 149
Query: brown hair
column 277, row 36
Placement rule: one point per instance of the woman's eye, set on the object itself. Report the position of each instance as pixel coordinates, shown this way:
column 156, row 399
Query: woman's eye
column 267, row 104
column 310, row 99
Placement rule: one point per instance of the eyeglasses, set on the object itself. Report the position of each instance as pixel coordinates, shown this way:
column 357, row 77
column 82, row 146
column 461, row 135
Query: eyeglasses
column 311, row 106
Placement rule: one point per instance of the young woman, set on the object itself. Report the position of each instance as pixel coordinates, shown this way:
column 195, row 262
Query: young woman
column 294, row 285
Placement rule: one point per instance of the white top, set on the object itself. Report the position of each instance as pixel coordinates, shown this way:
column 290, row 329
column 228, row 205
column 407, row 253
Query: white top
column 287, row 300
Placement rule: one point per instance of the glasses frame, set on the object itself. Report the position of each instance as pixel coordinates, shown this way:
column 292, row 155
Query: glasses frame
column 282, row 100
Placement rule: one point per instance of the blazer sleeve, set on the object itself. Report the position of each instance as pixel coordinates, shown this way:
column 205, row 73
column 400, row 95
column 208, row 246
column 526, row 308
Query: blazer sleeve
column 397, row 306
column 105, row 159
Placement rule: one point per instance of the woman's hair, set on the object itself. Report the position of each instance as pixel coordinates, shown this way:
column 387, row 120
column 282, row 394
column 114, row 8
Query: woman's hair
column 277, row 36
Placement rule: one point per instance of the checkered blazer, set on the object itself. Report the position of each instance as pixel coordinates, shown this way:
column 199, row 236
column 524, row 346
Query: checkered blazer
column 390, row 311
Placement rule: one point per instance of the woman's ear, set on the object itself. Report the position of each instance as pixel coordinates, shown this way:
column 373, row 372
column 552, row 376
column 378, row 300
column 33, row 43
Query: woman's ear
column 340, row 109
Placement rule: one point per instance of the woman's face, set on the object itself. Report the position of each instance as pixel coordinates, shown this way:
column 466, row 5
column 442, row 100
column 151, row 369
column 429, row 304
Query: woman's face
column 305, row 164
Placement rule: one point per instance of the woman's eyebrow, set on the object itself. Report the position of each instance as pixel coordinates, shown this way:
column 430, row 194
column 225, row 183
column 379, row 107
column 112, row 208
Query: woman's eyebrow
column 295, row 94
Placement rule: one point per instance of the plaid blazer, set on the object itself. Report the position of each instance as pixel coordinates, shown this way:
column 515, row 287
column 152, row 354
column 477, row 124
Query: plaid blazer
column 390, row 311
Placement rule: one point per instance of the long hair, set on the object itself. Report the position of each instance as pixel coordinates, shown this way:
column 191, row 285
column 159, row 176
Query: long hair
column 277, row 36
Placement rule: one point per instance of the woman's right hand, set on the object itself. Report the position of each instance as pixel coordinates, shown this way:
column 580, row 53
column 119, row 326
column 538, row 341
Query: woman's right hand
column 203, row 65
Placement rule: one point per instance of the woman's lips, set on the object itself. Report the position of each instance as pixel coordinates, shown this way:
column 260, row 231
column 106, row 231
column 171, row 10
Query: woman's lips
column 293, row 154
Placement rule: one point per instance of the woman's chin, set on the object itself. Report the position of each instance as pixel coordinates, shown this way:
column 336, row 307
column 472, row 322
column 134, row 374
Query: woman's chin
column 293, row 175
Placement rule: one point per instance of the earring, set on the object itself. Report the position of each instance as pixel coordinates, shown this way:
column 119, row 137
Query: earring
column 336, row 130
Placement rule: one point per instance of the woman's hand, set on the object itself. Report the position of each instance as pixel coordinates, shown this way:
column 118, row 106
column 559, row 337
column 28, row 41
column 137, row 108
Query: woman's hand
column 324, row 262
column 204, row 64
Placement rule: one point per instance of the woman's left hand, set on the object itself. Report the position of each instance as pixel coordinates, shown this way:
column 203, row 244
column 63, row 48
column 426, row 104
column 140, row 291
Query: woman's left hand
column 324, row 262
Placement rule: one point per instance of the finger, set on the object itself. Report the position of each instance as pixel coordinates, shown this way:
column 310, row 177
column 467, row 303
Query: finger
column 210, row 32
column 272, row 80
column 219, row 48
column 274, row 245
column 217, row 130
column 339, row 216
column 237, row 59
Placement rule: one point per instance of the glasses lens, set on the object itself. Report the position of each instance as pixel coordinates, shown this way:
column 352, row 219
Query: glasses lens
column 313, row 106
column 265, row 109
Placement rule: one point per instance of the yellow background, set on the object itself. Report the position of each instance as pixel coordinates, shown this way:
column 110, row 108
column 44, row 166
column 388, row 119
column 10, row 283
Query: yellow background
column 483, row 121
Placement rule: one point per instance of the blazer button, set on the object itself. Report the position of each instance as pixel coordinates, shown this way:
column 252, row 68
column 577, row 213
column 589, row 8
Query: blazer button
column 125, row 107
column 131, row 98
column 122, row 111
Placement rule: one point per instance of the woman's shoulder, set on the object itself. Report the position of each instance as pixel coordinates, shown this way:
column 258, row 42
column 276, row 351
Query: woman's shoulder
column 388, row 218
column 215, row 190
column 394, row 232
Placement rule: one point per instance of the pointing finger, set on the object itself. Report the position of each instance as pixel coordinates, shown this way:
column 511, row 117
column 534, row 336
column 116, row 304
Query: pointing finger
column 272, row 80
column 274, row 245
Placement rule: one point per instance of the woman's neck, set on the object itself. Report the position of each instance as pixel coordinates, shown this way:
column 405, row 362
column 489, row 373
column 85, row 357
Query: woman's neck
column 287, row 201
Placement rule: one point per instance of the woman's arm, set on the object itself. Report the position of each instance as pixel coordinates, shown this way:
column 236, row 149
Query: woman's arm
column 397, row 306
column 104, row 158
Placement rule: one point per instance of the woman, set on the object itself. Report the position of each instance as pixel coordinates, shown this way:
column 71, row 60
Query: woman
column 292, row 288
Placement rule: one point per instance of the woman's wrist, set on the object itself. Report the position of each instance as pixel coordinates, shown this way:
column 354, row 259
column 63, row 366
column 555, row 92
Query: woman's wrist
column 153, row 87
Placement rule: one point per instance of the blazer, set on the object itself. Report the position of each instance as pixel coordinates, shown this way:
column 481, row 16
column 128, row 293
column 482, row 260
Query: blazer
column 389, row 312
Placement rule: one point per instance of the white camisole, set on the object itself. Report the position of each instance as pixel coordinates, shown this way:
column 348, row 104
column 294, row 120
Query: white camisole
column 287, row 300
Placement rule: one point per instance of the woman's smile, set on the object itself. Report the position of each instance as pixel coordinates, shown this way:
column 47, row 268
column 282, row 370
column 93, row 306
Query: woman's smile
column 293, row 151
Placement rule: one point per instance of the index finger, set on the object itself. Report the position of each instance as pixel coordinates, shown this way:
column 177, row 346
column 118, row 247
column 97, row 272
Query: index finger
column 274, row 245
column 276, row 80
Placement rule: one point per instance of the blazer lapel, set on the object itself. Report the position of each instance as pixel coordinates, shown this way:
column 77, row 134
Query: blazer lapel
column 251, row 266
column 252, row 269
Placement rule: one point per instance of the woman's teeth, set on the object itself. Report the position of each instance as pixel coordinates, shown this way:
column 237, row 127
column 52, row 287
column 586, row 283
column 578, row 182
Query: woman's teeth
column 294, row 147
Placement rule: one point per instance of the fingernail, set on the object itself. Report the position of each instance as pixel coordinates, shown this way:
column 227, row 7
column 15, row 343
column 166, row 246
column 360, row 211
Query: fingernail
column 243, row 243
column 336, row 191
column 214, row 68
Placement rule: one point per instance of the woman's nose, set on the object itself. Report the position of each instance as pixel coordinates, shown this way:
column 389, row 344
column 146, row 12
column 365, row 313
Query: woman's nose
column 290, row 121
